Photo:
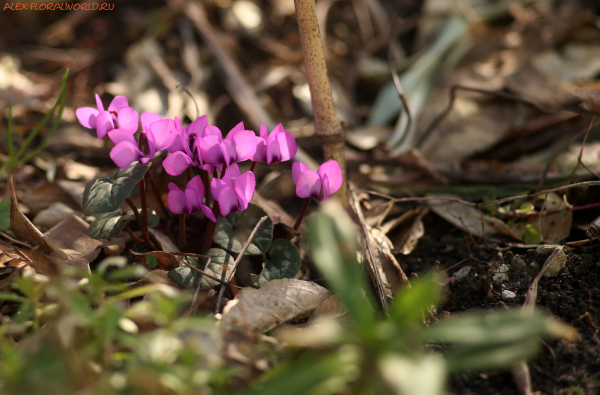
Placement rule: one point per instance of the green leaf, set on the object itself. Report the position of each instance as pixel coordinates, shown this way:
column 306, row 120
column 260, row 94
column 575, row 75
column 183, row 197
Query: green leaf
column 333, row 248
column 532, row 235
column 525, row 208
column 104, row 195
column 411, row 303
column 151, row 261
column 233, row 231
column 189, row 278
column 4, row 214
column 108, row 225
column 487, row 340
column 284, row 262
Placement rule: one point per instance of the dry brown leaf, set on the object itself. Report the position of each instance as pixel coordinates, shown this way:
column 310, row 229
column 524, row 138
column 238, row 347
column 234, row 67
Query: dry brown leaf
column 466, row 217
column 554, row 227
column 157, row 277
column 275, row 303
column 10, row 257
column 43, row 197
column 330, row 308
column 165, row 260
column 71, row 236
column 392, row 274
column 24, row 229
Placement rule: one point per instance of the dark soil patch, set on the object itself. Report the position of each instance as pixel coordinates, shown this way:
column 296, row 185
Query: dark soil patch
column 574, row 296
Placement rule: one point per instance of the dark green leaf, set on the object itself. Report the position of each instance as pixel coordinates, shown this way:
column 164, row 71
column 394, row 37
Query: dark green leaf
column 4, row 214
column 151, row 261
column 108, row 225
column 189, row 278
column 233, row 231
column 284, row 262
column 104, row 195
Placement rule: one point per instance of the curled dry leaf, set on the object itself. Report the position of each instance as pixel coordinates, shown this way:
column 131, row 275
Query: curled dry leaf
column 275, row 303
column 10, row 257
column 466, row 217
column 71, row 236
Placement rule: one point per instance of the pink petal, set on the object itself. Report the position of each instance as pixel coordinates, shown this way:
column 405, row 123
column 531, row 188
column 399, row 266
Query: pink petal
column 247, row 184
column 104, row 124
column 244, row 142
column 308, row 185
column 210, row 149
column 99, row 104
column 176, row 201
column 297, row 168
column 228, row 151
column 193, row 200
column 228, row 201
column 177, row 144
column 119, row 135
column 148, row 118
column 273, row 154
column 208, row 212
column 128, row 119
column 197, row 186
column 287, row 145
column 242, row 202
column 278, row 129
column 261, row 150
column 118, row 102
column 334, row 173
column 263, row 132
column 237, row 128
column 231, row 173
column 173, row 187
column 213, row 131
column 87, row 117
column 151, row 145
column 124, row 154
column 216, row 186
column 176, row 163
column 163, row 132
column 197, row 127
column 325, row 189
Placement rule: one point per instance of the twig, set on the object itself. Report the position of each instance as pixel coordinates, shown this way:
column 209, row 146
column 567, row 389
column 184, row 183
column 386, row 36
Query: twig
column 581, row 151
column 140, row 222
column 237, row 261
column 208, row 275
column 327, row 125
column 15, row 241
column 501, row 94
column 154, row 187
column 392, row 65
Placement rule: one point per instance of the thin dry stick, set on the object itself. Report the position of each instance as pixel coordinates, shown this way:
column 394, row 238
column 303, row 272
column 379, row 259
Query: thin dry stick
column 237, row 261
column 407, row 133
column 202, row 272
column 236, row 83
column 500, row 94
column 140, row 221
column 327, row 125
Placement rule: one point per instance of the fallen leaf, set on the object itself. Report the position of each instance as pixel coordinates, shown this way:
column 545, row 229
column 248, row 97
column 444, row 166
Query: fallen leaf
column 53, row 215
column 10, row 257
column 24, row 229
column 466, row 217
column 275, row 303
column 71, row 236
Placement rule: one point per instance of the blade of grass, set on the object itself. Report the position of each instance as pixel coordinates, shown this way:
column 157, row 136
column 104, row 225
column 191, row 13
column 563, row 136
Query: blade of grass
column 35, row 132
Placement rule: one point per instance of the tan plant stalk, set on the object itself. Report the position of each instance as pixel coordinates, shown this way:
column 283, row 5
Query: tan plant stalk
column 327, row 125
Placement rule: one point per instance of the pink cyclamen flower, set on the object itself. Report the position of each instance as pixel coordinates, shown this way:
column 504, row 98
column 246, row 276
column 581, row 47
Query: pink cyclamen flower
column 118, row 116
column 317, row 185
column 185, row 150
column 234, row 191
column 276, row 147
column 190, row 200
column 157, row 134
column 238, row 146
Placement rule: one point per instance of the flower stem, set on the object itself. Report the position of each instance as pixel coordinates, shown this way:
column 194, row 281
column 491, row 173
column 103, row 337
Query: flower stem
column 205, row 176
column 210, row 229
column 142, row 186
column 181, row 231
column 163, row 208
column 252, row 166
column 302, row 213
column 140, row 222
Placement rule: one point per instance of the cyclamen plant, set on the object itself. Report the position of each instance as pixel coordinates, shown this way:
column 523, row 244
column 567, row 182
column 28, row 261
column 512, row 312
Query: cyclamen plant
column 198, row 145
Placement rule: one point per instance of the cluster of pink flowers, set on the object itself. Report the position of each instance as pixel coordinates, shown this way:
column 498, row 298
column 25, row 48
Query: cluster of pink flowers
column 203, row 146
